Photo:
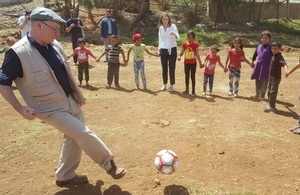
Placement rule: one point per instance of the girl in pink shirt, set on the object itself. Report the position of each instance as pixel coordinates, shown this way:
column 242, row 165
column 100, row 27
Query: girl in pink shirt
column 233, row 62
column 83, row 54
column 211, row 60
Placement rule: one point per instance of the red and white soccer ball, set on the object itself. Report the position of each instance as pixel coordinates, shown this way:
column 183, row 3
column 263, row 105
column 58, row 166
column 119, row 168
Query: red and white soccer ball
column 166, row 161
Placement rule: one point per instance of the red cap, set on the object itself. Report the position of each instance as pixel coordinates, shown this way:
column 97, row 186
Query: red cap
column 136, row 36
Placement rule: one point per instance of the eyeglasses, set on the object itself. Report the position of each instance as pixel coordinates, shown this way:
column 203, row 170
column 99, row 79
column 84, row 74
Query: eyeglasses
column 54, row 29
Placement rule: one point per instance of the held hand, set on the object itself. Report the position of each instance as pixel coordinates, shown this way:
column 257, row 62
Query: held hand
column 225, row 69
column 179, row 58
column 97, row 60
column 201, row 65
column 287, row 74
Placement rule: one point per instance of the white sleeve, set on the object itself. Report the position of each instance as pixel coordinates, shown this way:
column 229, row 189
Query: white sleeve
column 175, row 30
column 159, row 37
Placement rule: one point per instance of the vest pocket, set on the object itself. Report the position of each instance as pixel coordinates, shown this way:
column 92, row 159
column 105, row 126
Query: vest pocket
column 41, row 78
column 46, row 103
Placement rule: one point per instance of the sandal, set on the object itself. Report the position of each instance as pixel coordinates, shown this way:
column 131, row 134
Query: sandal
column 296, row 130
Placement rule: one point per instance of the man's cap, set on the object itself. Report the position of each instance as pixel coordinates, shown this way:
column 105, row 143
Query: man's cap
column 45, row 14
column 136, row 36
column 28, row 12
column 73, row 11
column 215, row 47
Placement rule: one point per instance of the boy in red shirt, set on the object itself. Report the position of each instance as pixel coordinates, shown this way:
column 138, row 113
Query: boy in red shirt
column 83, row 54
column 191, row 54
column 210, row 63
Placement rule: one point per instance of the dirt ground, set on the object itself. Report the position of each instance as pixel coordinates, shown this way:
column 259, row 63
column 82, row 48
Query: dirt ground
column 225, row 145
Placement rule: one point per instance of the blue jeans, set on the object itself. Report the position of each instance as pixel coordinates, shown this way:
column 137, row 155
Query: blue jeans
column 139, row 66
column 208, row 78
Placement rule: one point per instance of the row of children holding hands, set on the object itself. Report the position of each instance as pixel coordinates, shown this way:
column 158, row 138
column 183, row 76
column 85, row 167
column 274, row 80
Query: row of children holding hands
column 266, row 70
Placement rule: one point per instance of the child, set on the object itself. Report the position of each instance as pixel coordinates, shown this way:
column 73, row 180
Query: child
column 190, row 50
column 210, row 62
column 296, row 129
column 83, row 54
column 262, row 55
column 113, row 50
column 277, row 62
column 233, row 62
column 9, row 41
column 138, row 59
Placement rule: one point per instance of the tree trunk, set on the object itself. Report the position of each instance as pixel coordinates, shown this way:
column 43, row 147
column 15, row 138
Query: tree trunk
column 145, row 8
column 116, row 8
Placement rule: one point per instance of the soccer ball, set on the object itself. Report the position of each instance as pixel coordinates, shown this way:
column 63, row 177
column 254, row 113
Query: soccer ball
column 166, row 161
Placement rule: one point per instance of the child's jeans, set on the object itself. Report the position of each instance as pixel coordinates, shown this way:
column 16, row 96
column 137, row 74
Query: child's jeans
column 208, row 78
column 273, row 91
column 234, row 76
column 83, row 67
column 139, row 66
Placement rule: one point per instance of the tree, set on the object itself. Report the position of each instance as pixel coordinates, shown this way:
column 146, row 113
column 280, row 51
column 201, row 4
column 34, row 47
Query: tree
column 225, row 8
column 144, row 10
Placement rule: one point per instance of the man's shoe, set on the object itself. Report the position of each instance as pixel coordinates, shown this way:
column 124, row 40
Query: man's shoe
column 116, row 172
column 77, row 180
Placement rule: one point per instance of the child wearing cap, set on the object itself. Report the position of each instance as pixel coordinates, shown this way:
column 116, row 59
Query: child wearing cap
column 191, row 54
column 82, row 53
column 209, row 65
column 138, row 59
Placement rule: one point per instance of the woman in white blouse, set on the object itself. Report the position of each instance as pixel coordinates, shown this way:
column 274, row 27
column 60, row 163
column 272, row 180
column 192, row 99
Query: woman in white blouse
column 167, row 44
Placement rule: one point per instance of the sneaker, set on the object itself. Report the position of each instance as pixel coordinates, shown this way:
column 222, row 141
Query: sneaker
column 185, row 92
column 80, row 84
column 87, row 84
column 170, row 89
column 235, row 95
column 163, row 88
column 230, row 93
column 204, row 93
column 77, row 180
column 270, row 109
column 136, row 88
column 115, row 171
column 193, row 94
column 108, row 86
column 210, row 93
column 117, row 86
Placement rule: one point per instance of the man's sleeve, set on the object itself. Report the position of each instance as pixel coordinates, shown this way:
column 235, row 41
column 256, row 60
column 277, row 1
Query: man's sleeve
column 11, row 68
